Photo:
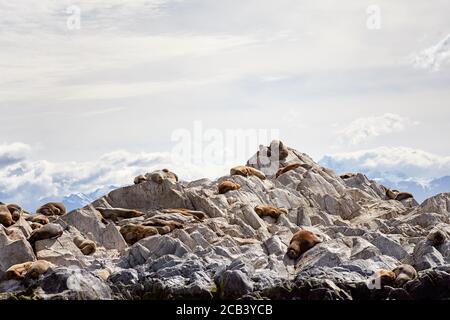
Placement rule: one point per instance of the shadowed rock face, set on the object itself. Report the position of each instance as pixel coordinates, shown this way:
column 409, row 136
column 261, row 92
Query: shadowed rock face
column 210, row 245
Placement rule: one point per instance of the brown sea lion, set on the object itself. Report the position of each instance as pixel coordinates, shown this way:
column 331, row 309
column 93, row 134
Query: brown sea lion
column 347, row 175
column 437, row 237
column 228, row 185
column 385, row 277
column 40, row 218
column 32, row 269
column 160, row 175
column 301, row 242
column 391, row 194
column 35, row 225
column 16, row 211
column 140, row 179
column 52, row 209
column 17, row 271
column 48, row 231
column 289, row 167
column 156, row 222
column 246, row 171
column 5, row 216
column 403, row 195
column 199, row 215
column 115, row 213
column 132, row 233
column 86, row 246
column 266, row 210
column 404, row 273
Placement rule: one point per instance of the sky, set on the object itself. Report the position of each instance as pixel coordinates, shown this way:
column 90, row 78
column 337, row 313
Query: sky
column 94, row 92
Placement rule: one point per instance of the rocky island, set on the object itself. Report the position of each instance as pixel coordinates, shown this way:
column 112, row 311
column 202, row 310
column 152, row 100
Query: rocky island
column 279, row 227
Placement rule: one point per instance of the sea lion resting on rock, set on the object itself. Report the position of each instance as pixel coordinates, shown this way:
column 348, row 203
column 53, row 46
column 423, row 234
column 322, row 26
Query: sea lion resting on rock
column 160, row 175
column 437, row 237
column 278, row 145
column 199, row 215
column 32, row 269
column 403, row 196
column 5, row 216
column 115, row 213
column 347, row 175
column 16, row 211
column 156, row 222
column 132, row 233
column 40, row 218
column 35, row 225
column 289, row 167
column 139, row 179
column 246, row 171
column 404, row 273
column 52, row 209
column 266, row 210
column 86, row 246
column 391, row 194
column 301, row 242
column 384, row 277
column 228, row 185
column 49, row 231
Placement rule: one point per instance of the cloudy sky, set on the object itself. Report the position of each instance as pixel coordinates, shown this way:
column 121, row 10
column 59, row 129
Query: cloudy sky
column 94, row 105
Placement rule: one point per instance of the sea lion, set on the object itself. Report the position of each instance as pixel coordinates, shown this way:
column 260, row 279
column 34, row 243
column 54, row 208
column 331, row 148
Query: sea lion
column 40, row 218
column 384, row 277
column 17, row 271
column 403, row 195
column 132, row 233
column 391, row 194
column 32, row 269
column 246, row 171
column 139, row 179
column 228, row 185
column 5, row 216
column 87, row 247
column 163, row 230
column 159, row 176
column 35, row 225
column 38, row 267
column 266, row 210
column 437, row 237
column 52, row 209
column 301, row 242
column 49, row 231
column 15, row 210
column 278, row 145
column 347, row 175
column 115, row 213
column 289, row 167
column 199, row 215
column 404, row 273
column 156, row 222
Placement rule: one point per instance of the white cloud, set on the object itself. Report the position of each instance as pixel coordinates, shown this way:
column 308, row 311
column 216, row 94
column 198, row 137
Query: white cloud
column 433, row 57
column 25, row 181
column 391, row 162
column 13, row 153
column 363, row 129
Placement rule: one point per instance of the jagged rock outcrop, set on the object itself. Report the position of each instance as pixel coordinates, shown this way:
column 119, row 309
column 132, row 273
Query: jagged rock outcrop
column 205, row 244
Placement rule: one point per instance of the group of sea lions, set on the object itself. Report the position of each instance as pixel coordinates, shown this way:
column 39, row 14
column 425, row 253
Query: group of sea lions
column 44, row 226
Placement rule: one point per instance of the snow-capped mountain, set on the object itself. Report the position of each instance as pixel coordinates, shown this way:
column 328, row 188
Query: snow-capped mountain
column 79, row 200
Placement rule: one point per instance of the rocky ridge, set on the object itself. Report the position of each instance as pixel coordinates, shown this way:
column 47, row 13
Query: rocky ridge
column 201, row 244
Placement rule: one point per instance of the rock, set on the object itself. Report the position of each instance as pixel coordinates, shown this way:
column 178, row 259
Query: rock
column 425, row 256
column 228, row 251
column 13, row 251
